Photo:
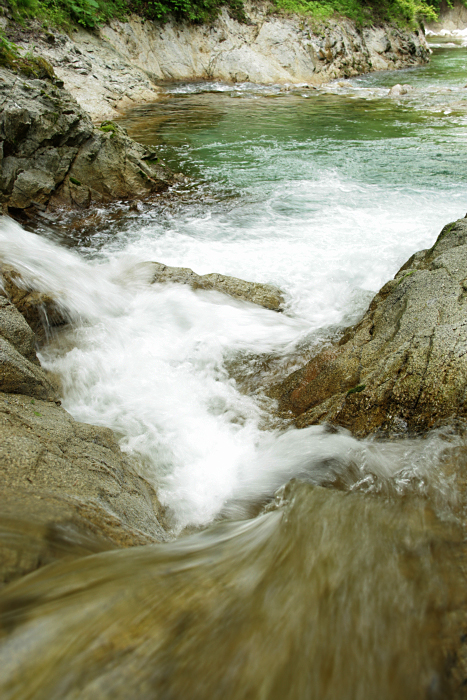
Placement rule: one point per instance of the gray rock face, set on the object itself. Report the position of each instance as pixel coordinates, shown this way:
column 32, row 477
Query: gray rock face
column 269, row 49
column 20, row 372
column 404, row 366
column 65, row 483
column 51, row 154
column 262, row 294
column 118, row 65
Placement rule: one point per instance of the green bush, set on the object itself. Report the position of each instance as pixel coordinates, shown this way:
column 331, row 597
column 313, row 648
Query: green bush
column 403, row 12
column 90, row 13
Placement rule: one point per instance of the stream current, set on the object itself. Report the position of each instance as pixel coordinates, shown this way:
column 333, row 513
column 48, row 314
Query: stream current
column 346, row 582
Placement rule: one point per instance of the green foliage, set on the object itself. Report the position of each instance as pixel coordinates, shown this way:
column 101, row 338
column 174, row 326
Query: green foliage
column 364, row 12
column 356, row 389
column 107, row 127
column 195, row 11
column 30, row 65
column 66, row 13
column 90, row 13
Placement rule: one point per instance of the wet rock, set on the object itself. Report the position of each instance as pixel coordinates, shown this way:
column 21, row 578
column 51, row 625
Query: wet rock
column 40, row 311
column 404, row 366
column 20, row 372
column 398, row 90
column 52, row 155
column 57, row 473
column 21, row 376
column 67, row 489
column 262, row 294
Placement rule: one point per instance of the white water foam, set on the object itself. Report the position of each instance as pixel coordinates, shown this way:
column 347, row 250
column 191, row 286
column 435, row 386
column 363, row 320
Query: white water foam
column 148, row 362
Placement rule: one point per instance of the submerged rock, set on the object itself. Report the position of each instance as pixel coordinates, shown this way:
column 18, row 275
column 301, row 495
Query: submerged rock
column 404, row 366
column 52, row 155
column 398, row 90
column 262, row 294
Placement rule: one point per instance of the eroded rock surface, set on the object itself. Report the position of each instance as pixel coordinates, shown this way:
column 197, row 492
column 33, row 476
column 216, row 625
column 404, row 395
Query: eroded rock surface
column 270, row 48
column 404, row 366
column 51, row 154
column 66, row 482
column 262, row 294
column 120, row 64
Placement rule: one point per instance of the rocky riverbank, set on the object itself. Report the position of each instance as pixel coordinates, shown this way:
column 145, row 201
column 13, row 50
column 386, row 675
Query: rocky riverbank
column 67, row 489
column 125, row 63
column 403, row 368
column 52, row 155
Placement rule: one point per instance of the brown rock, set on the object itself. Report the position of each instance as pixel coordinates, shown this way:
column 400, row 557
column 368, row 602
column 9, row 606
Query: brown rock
column 40, row 310
column 404, row 366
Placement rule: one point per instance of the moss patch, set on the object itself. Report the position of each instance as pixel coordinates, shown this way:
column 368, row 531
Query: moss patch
column 357, row 389
column 32, row 66
column 108, row 128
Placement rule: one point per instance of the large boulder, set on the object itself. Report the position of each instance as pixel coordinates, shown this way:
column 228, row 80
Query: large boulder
column 51, row 154
column 403, row 368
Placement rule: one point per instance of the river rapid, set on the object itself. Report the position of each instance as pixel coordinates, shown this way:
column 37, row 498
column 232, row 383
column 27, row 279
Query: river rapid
column 304, row 563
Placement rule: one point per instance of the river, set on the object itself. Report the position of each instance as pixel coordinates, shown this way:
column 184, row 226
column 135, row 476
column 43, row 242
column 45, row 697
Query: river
column 305, row 563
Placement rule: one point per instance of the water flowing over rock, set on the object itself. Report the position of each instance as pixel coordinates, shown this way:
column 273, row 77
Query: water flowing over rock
column 262, row 294
column 52, row 155
column 62, row 479
column 404, row 366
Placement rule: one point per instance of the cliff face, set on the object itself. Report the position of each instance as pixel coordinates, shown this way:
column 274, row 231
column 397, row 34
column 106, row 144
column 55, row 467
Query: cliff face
column 122, row 63
column 269, row 49
column 452, row 17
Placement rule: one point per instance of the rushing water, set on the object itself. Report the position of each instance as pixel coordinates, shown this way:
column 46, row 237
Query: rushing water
column 338, row 592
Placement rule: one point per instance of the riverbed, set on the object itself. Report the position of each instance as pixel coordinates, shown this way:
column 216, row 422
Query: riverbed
column 305, row 563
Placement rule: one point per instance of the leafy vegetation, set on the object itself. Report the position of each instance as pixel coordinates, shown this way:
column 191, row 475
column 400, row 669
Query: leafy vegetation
column 32, row 66
column 90, row 13
column 364, row 12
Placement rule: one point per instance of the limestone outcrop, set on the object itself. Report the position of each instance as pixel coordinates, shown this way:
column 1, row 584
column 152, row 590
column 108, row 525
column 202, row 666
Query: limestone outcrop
column 262, row 294
column 52, row 155
column 269, row 48
column 66, row 487
column 121, row 64
column 403, row 368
